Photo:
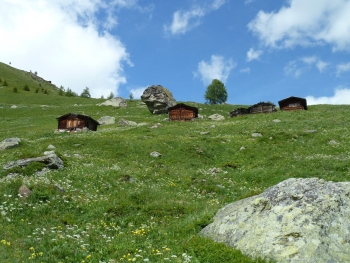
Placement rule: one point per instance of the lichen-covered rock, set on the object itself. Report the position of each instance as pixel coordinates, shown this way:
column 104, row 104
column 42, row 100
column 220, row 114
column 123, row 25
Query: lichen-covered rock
column 158, row 99
column 298, row 220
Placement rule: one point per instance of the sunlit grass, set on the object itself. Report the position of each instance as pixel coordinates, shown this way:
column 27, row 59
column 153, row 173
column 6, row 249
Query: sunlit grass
column 114, row 202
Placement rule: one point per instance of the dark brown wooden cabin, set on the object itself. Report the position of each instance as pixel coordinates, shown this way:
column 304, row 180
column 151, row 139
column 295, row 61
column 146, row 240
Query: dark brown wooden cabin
column 73, row 121
column 239, row 112
column 263, row 107
column 293, row 103
column 182, row 112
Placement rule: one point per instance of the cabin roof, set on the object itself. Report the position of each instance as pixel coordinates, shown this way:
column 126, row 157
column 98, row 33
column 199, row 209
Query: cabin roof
column 263, row 104
column 195, row 109
column 76, row 115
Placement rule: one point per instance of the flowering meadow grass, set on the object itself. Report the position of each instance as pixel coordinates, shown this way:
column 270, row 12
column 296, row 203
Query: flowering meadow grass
column 113, row 202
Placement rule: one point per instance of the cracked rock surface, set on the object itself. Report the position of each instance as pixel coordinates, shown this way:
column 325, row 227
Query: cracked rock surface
column 297, row 220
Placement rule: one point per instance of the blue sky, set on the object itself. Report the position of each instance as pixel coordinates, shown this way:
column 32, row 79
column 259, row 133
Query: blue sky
column 261, row 50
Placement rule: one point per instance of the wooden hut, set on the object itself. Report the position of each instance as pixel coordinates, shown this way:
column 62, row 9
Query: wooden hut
column 73, row 121
column 239, row 112
column 182, row 112
column 293, row 103
column 263, row 107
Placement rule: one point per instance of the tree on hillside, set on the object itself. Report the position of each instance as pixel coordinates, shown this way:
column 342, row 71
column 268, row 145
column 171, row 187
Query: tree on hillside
column 61, row 91
column 111, row 96
column 131, row 96
column 85, row 93
column 216, row 92
column 70, row 93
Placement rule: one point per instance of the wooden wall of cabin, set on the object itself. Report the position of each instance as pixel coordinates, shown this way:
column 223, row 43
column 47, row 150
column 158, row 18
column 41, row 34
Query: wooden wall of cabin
column 182, row 114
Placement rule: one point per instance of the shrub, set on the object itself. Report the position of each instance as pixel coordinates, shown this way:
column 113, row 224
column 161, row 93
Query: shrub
column 5, row 83
column 26, row 87
column 15, row 90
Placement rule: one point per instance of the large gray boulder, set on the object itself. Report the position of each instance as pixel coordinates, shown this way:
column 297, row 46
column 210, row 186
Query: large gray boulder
column 158, row 99
column 106, row 120
column 9, row 143
column 298, row 220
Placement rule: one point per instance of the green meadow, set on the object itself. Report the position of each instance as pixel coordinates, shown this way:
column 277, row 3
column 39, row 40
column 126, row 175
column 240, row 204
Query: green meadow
column 114, row 202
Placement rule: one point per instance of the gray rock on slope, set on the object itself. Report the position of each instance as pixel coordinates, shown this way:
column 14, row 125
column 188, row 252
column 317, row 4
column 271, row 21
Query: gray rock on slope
column 9, row 143
column 297, row 220
column 158, row 99
column 115, row 102
column 106, row 120
column 51, row 160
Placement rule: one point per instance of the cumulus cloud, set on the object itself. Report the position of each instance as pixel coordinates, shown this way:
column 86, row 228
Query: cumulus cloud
column 64, row 42
column 252, row 54
column 305, row 23
column 341, row 96
column 184, row 21
column 217, row 68
column 341, row 68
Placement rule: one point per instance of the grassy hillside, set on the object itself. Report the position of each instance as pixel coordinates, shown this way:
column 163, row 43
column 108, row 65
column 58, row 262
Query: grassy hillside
column 119, row 204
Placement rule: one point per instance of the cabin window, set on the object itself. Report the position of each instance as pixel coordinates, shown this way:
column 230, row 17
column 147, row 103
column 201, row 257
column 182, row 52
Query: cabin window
column 73, row 123
column 295, row 104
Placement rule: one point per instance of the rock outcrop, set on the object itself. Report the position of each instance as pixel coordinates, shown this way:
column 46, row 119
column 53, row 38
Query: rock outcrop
column 125, row 123
column 216, row 117
column 298, row 220
column 115, row 102
column 51, row 160
column 106, row 120
column 9, row 143
column 158, row 99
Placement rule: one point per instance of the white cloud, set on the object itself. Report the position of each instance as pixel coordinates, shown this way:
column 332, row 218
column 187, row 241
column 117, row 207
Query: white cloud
column 341, row 68
column 296, row 68
column 184, row 21
column 292, row 68
column 341, row 96
column 137, row 92
column 252, row 54
column 217, row 68
column 60, row 40
column 245, row 70
column 305, row 23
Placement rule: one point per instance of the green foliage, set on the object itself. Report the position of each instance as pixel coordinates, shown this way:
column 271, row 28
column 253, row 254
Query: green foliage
column 26, row 87
column 110, row 96
column 131, row 96
column 15, row 90
column 85, row 93
column 61, row 91
column 216, row 92
column 37, row 90
column 70, row 93
column 5, row 83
